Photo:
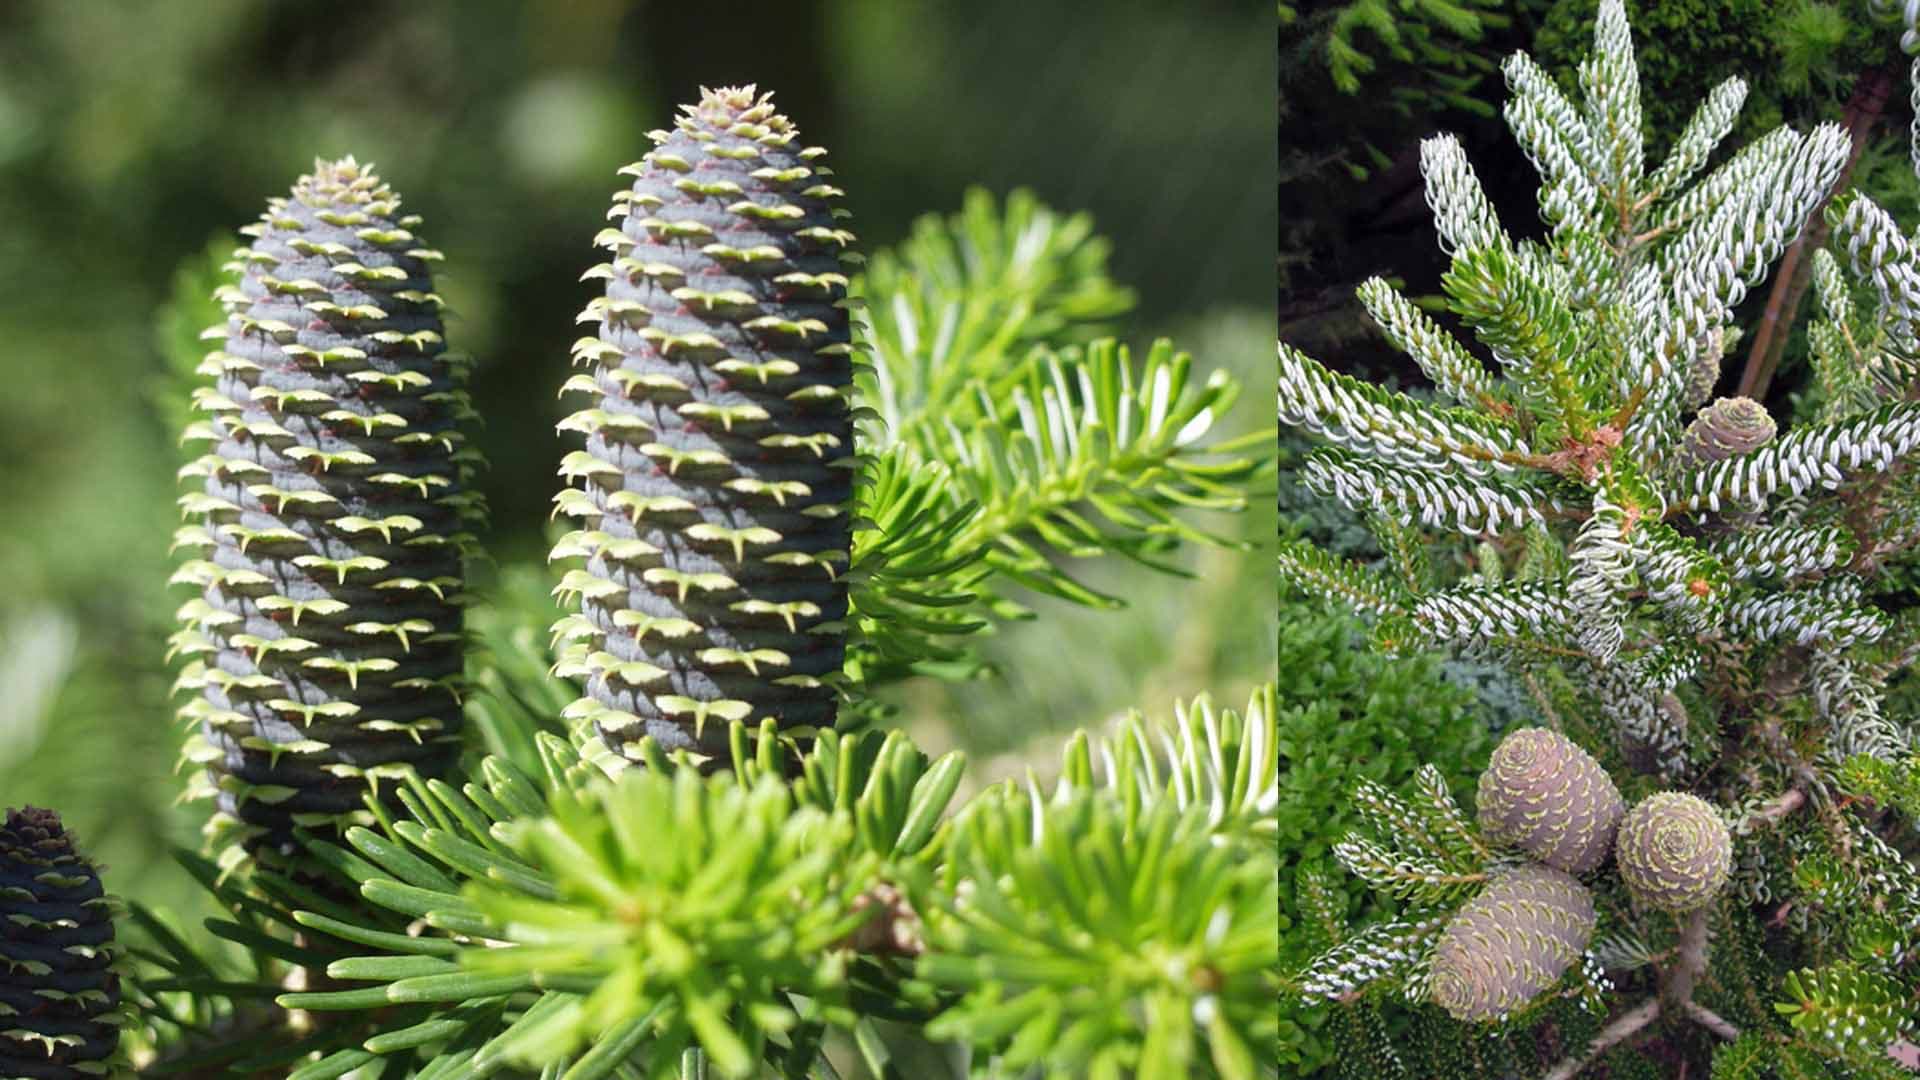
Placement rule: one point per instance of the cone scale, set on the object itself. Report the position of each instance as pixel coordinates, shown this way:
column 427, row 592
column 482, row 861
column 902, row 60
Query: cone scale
column 59, row 997
column 717, row 470
column 1727, row 428
column 327, row 637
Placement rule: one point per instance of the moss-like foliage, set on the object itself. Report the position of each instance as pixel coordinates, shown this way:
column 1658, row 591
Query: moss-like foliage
column 1511, row 942
column 719, row 443
column 59, row 997
column 1674, row 851
column 327, row 637
column 1550, row 798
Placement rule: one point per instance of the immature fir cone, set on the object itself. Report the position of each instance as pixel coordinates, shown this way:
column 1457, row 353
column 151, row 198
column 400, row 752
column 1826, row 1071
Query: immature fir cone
column 59, row 998
column 719, row 443
column 1704, row 372
column 1511, row 942
column 328, row 631
column 1674, row 851
column 1548, row 797
column 1727, row 428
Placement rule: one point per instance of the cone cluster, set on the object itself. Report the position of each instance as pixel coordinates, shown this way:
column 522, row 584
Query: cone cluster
column 326, row 639
column 716, row 478
column 1544, row 795
column 59, row 996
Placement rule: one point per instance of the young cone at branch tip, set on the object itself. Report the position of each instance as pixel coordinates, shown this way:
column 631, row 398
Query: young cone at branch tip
column 1674, row 851
column 1511, row 942
column 1727, row 428
column 717, row 473
column 59, row 997
column 1548, row 797
column 333, row 507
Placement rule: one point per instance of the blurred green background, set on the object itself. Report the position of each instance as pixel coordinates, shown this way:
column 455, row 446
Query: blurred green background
column 134, row 133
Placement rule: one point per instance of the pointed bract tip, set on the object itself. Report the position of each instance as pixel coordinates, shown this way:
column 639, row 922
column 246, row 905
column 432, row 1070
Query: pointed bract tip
column 34, row 817
column 738, row 104
column 337, row 176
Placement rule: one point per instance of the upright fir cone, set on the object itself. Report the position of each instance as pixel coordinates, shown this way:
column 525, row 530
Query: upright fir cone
column 1727, row 428
column 328, row 634
column 719, row 442
column 1546, row 796
column 1511, row 942
column 59, row 996
column 1674, row 851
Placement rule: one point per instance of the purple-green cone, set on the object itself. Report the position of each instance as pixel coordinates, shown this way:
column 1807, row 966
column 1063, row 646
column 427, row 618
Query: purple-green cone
column 1704, row 371
column 716, row 481
column 1674, row 852
column 1548, row 797
column 327, row 637
column 1727, row 428
column 1511, row 942
column 59, row 997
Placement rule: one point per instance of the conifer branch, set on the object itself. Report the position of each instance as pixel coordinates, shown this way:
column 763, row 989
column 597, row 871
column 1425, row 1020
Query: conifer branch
column 1700, row 592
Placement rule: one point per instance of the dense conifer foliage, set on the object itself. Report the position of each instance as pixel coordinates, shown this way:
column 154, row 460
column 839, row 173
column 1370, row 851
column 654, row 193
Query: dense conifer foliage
column 1703, row 598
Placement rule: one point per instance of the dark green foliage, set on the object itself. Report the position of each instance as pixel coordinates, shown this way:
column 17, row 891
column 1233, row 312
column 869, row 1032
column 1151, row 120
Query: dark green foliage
column 1850, row 1014
column 718, row 468
column 1007, row 438
column 1801, row 58
column 1349, row 714
column 690, row 955
column 1690, row 46
column 1436, row 35
column 1380, row 1042
column 59, row 997
column 326, row 640
column 1052, row 893
column 972, row 292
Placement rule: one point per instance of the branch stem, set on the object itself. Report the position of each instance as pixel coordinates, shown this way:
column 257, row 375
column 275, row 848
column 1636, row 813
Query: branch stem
column 1790, row 282
column 1677, row 982
column 1712, row 1021
column 1622, row 1029
column 1789, row 801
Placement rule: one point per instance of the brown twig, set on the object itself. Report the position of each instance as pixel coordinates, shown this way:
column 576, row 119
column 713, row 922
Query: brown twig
column 1622, row 1029
column 1862, row 114
column 1789, row 801
column 1690, row 962
column 1675, row 997
column 1712, row 1021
